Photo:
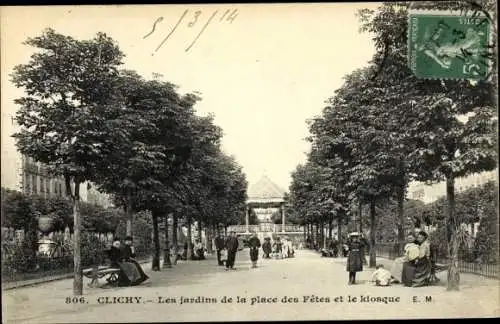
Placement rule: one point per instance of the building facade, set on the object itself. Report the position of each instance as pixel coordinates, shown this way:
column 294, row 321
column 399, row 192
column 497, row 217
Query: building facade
column 431, row 193
column 23, row 174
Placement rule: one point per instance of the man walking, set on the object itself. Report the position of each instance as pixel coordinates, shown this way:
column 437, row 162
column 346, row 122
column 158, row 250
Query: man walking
column 254, row 244
column 232, row 248
column 219, row 246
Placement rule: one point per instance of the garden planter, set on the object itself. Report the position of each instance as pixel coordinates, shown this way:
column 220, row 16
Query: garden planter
column 45, row 224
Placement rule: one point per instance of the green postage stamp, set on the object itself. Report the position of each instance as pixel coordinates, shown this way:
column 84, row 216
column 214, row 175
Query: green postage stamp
column 449, row 45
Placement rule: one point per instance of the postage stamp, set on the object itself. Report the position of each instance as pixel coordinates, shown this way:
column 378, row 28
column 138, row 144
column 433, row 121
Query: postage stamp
column 449, row 45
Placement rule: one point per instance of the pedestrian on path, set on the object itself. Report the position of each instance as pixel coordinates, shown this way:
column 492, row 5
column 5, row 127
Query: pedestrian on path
column 254, row 244
column 354, row 257
column 219, row 246
column 232, row 248
column 267, row 247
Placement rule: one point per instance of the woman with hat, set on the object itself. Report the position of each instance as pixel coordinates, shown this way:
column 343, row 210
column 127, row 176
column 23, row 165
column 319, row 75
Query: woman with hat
column 355, row 256
column 134, row 275
column 423, row 273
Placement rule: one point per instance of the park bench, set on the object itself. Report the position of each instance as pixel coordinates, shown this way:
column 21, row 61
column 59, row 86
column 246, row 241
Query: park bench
column 102, row 271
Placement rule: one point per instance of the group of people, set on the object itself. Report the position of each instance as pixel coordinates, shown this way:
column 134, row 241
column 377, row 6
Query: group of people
column 227, row 249
column 413, row 269
column 279, row 249
column 121, row 256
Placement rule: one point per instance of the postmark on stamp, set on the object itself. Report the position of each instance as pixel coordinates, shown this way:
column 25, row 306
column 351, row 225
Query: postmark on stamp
column 449, row 44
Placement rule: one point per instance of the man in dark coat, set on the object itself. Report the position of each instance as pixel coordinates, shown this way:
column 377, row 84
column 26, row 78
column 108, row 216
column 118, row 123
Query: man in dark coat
column 267, row 247
column 232, row 248
column 254, row 244
column 219, row 246
column 334, row 245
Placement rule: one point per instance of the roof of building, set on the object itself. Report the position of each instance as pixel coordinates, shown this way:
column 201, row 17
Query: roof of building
column 265, row 190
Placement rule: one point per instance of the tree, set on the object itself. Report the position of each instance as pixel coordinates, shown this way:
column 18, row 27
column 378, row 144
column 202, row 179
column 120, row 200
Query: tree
column 449, row 123
column 68, row 85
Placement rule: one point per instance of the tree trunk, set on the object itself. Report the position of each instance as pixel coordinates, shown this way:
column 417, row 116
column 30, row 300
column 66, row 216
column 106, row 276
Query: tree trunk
column 210, row 234
column 360, row 212
column 175, row 228
column 330, row 228
column 339, row 232
column 322, row 229
column 200, row 229
column 453, row 246
column 225, row 230
column 189, row 241
column 166, row 252
column 129, row 213
column 373, row 228
column 156, row 243
column 314, row 235
column 401, row 217
column 77, row 257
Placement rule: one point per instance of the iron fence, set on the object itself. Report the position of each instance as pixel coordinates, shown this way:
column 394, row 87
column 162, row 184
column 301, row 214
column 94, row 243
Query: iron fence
column 266, row 227
column 470, row 261
column 19, row 263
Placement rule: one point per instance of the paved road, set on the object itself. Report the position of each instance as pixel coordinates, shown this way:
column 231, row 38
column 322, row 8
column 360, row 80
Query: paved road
column 318, row 284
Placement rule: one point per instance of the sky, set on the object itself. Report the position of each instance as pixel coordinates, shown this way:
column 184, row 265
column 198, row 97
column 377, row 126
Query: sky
column 261, row 69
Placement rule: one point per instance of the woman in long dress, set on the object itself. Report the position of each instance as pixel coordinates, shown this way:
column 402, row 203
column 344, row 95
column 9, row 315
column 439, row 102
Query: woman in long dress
column 132, row 269
column 411, row 252
column 423, row 272
column 115, row 255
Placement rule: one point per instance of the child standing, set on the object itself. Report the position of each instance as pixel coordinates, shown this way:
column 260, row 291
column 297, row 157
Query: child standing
column 355, row 256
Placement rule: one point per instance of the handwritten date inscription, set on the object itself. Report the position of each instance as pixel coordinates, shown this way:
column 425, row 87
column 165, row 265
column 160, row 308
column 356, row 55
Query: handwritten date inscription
column 229, row 15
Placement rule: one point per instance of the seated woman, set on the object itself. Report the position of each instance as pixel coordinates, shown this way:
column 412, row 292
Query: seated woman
column 423, row 272
column 403, row 268
column 115, row 256
column 131, row 267
column 131, row 273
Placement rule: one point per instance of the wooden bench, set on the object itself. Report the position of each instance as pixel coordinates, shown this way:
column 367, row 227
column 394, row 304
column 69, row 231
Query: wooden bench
column 102, row 271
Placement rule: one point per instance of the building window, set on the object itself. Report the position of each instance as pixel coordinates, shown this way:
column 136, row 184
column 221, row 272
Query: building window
column 47, row 186
column 27, row 184
column 42, row 186
column 34, row 184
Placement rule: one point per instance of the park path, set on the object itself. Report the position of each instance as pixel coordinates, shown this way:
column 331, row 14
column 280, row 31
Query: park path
column 307, row 277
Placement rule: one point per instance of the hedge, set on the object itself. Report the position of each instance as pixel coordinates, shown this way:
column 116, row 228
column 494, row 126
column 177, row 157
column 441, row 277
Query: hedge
column 21, row 211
